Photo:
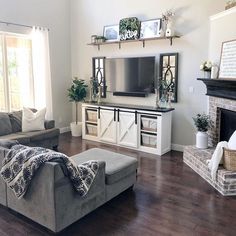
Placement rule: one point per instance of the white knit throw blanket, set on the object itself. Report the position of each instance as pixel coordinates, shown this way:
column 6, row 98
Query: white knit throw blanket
column 213, row 164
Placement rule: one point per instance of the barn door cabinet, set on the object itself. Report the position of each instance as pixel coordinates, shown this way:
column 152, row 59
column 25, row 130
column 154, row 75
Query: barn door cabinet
column 127, row 128
column 144, row 130
column 107, row 125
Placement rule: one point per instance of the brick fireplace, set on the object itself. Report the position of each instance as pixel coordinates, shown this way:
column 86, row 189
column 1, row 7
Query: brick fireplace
column 197, row 158
column 215, row 103
column 222, row 94
column 222, row 104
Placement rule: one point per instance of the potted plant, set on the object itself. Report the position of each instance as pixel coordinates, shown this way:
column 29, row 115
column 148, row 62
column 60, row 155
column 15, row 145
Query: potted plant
column 206, row 68
column 100, row 39
column 167, row 19
column 76, row 93
column 202, row 122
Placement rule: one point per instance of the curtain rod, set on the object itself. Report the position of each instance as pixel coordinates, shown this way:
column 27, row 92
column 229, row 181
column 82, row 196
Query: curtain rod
column 21, row 25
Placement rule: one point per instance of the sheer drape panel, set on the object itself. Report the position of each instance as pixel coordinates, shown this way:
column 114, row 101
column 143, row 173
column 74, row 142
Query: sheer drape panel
column 16, row 80
column 41, row 70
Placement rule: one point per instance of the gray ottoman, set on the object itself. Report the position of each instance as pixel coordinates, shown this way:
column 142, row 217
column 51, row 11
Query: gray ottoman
column 120, row 170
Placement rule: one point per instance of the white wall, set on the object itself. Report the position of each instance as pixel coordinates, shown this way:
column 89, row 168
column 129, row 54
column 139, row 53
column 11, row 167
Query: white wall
column 221, row 30
column 55, row 15
column 192, row 22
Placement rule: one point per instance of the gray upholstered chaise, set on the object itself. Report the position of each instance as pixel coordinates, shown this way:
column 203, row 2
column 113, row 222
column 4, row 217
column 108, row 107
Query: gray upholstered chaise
column 51, row 200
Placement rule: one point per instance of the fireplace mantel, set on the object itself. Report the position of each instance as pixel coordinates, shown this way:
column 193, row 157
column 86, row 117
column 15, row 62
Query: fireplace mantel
column 220, row 88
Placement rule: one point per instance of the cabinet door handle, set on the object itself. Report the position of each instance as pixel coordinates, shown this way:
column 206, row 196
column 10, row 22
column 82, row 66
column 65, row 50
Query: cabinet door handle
column 118, row 115
column 99, row 115
column 114, row 114
column 136, row 117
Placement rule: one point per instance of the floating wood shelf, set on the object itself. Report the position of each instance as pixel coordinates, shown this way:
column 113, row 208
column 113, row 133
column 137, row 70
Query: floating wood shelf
column 134, row 40
column 220, row 88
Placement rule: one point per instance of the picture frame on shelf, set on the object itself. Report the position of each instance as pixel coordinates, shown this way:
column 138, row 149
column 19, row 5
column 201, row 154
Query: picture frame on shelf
column 150, row 28
column 111, row 33
column 129, row 28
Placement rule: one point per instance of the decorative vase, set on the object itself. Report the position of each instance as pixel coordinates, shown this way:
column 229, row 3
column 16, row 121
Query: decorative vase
column 169, row 98
column 207, row 74
column 169, row 29
column 214, row 72
column 76, row 129
column 163, row 100
column 157, row 97
column 202, row 140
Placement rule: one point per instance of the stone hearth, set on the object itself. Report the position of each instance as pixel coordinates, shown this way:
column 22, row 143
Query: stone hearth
column 197, row 159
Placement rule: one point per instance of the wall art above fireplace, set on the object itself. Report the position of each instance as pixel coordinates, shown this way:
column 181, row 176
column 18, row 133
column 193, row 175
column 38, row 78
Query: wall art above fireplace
column 228, row 60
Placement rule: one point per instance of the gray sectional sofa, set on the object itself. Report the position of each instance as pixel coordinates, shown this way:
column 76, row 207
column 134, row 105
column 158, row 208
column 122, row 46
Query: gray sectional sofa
column 11, row 129
column 51, row 200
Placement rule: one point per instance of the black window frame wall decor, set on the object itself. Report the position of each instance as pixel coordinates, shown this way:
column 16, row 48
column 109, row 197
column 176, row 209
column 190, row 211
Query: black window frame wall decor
column 163, row 72
column 100, row 70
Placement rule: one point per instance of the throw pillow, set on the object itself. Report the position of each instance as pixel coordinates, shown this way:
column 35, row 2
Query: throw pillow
column 5, row 124
column 232, row 141
column 16, row 121
column 32, row 121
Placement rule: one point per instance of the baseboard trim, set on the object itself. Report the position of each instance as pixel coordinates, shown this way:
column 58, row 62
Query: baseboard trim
column 64, row 130
column 177, row 147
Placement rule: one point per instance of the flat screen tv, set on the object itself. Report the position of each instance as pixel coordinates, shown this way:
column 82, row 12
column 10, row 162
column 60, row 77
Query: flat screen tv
column 132, row 76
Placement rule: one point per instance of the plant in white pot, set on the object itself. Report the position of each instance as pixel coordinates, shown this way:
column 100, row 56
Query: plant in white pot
column 76, row 93
column 202, row 122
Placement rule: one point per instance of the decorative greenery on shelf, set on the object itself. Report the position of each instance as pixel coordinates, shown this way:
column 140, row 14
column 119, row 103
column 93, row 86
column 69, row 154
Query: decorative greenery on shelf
column 129, row 28
column 202, row 122
column 100, row 39
column 76, row 93
column 168, row 16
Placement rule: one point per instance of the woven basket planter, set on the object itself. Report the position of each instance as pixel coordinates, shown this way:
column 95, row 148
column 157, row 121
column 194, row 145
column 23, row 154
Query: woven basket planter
column 229, row 159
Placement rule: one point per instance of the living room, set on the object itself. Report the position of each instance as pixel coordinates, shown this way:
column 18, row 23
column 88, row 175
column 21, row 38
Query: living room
column 168, row 197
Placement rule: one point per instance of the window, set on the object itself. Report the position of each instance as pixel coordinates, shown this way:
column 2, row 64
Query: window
column 16, row 79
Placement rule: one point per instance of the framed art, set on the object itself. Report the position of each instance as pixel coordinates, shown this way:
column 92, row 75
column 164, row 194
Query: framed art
column 129, row 28
column 111, row 33
column 150, row 28
column 228, row 60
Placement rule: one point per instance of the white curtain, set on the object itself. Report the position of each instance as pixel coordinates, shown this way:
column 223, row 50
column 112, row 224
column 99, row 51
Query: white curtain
column 41, row 70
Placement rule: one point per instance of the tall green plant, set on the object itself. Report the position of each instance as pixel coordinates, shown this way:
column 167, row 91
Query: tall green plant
column 76, row 93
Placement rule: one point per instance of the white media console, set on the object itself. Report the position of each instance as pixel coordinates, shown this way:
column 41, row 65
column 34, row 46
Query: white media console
column 146, row 129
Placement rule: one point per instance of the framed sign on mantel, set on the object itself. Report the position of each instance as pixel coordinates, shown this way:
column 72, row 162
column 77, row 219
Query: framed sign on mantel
column 228, row 60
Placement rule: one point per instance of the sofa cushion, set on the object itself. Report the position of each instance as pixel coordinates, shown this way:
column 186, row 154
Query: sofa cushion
column 5, row 124
column 42, row 134
column 20, row 137
column 118, row 166
column 16, row 120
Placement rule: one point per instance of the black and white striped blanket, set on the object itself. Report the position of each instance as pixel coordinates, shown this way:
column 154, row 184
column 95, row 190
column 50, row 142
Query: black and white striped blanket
column 21, row 163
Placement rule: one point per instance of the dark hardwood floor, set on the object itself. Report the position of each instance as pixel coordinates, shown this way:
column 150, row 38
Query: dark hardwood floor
column 168, row 199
